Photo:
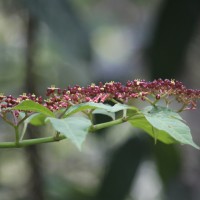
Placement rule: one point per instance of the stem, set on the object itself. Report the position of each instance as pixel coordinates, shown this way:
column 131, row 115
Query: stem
column 90, row 116
column 24, row 127
column 7, row 121
column 161, row 97
column 29, row 142
column 149, row 101
column 62, row 114
column 114, row 101
column 57, row 135
column 16, row 135
column 23, row 131
column 155, row 102
column 182, row 108
column 96, row 127
column 22, row 143
column 22, row 120
column 15, row 118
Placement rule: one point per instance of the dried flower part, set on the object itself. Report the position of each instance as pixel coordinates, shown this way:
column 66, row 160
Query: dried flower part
column 110, row 91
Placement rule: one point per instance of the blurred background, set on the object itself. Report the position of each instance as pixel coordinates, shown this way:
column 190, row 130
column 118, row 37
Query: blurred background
column 67, row 42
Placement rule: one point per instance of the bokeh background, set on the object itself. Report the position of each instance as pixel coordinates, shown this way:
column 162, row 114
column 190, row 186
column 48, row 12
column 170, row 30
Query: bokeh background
column 67, row 42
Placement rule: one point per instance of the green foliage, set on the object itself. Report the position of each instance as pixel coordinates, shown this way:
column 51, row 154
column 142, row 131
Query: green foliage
column 170, row 122
column 104, row 112
column 159, row 122
column 29, row 105
column 165, row 125
column 74, row 128
column 142, row 123
column 85, row 106
column 91, row 105
column 36, row 119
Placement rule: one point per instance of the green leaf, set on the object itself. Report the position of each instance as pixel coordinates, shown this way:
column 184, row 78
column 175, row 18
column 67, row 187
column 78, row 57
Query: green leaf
column 104, row 112
column 162, row 111
column 118, row 107
column 165, row 125
column 141, row 122
column 110, row 111
column 74, row 128
column 36, row 119
column 91, row 105
column 171, row 122
column 85, row 106
column 28, row 105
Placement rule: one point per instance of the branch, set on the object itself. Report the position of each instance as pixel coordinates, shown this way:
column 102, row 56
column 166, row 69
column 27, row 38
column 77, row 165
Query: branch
column 29, row 142
column 96, row 127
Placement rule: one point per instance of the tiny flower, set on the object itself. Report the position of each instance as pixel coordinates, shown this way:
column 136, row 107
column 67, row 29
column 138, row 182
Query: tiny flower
column 51, row 90
column 172, row 81
column 92, row 85
column 2, row 96
column 158, row 96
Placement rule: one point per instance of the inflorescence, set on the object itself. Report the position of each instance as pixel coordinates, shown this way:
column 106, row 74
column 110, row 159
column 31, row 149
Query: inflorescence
column 169, row 90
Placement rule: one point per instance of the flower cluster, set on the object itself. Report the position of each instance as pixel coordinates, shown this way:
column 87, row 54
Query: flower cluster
column 111, row 91
column 158, row 89
column 9, row 101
